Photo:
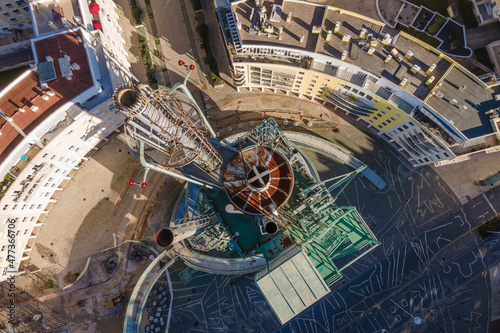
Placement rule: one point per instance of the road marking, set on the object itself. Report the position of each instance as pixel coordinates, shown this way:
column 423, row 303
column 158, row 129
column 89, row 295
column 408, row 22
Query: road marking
column 489, row 203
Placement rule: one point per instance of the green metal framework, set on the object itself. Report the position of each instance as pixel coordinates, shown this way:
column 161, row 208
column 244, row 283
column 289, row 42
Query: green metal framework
column 325, row 231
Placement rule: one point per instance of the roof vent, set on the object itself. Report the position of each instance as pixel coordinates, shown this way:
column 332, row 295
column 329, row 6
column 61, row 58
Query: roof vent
column 33, row 108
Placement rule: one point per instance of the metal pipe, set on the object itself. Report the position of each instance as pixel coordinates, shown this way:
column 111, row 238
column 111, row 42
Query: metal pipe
column 165, row 171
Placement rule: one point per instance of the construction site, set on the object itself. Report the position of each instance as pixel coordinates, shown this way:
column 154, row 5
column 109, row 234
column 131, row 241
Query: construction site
column 252, row 204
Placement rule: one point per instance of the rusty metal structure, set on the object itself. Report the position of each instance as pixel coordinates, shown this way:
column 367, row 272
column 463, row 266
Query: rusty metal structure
column 259, row 180
column 252, row 202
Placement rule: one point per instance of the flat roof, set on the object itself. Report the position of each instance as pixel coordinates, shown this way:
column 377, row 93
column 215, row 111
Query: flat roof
column 472, row 122
column 28, row 91
column 375, row 63
column 304, row 17
column 292, row 286
column 58, row 12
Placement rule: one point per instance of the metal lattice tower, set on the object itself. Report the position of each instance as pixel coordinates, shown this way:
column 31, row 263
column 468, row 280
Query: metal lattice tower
column 163, row 127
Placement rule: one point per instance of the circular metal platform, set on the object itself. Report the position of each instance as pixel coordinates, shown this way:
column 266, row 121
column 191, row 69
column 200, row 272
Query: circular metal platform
column 259, row 180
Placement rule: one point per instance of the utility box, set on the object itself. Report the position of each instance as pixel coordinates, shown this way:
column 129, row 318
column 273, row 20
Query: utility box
column 328, row 35
column 431, row 69
column 337, row 27
column 344, row 55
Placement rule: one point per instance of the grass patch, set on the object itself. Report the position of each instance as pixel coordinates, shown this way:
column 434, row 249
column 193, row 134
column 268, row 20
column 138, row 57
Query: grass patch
column 465, row 8
column 420, row 35
column 145, row 54
column 437, row 6
column 7, row 77
column 148, row 64
column 436, row 25
column 485, row 229
column 49, row 284
column 483, row 57
column 152, row 81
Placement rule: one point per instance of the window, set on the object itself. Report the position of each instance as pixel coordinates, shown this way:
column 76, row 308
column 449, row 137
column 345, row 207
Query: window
column 71, row 131
column 13, row 19
column 70, row 148
column 8, row 5
column 405, row 127
column 44, row 155
column 16, row 11
column 383, row 112
column 371, row 121
column 400, row 129
column 411, row 124
column 3, row 248
column 315, row 76
column 379, row 115
column 39, row 206
column 393, row 118
column 313, row 81
column 26, row 9
column 300, row 77
column 24, row 219
column 375, row 118
column 14, row 207
column 58, row 170
column 32, row 206
column 17, row 232
column 25, row 231
column 32, row 218
column 6, row 14
column 327, row 80
column 379, row 126
column 397, row 114
column 388, row 121
column 1, row 258
column 384, row 124
column 5, row 207
column 311, row 85
column 324, row 84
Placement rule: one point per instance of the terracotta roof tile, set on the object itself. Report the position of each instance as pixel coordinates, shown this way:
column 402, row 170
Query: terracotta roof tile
column 28, row 91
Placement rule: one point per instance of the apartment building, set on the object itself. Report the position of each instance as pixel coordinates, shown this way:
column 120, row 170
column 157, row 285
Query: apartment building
column 414, row 96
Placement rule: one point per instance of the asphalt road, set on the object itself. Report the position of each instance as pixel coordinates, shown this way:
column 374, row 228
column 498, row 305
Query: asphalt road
column 481, row 36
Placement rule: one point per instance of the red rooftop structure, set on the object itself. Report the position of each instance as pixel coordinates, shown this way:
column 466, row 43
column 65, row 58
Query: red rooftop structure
column 63, row 73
